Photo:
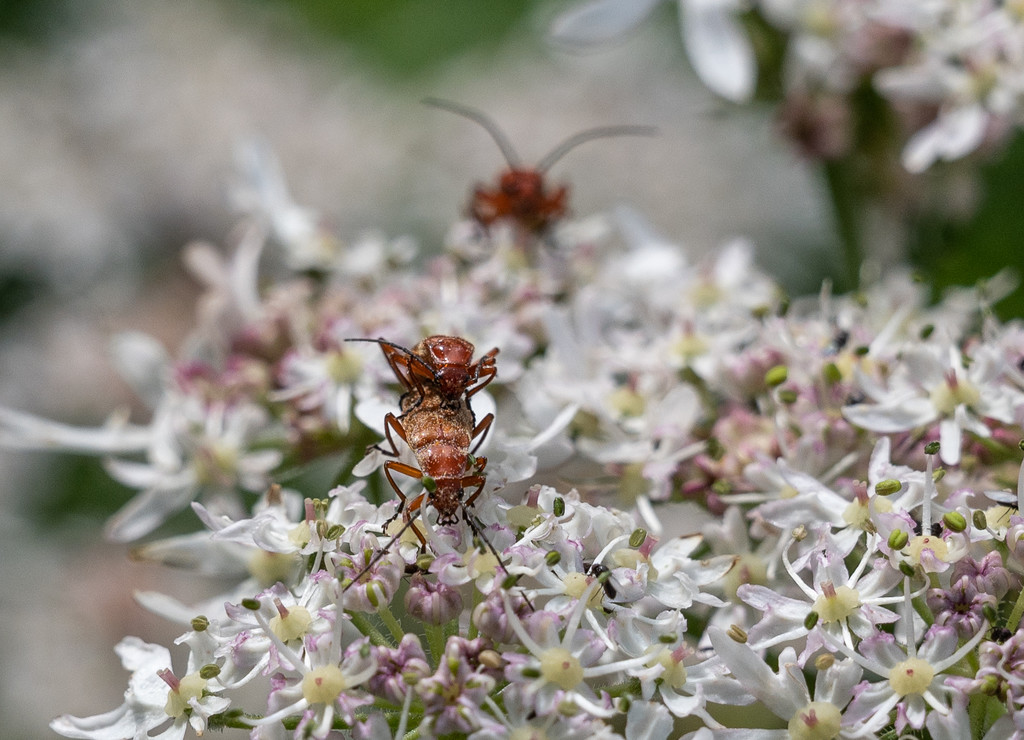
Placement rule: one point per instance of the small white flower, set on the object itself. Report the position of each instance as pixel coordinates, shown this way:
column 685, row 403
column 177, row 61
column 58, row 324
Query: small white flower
column 935, row 383
column 150, row 701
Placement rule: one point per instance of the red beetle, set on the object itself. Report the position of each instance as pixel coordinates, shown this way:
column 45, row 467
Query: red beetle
column 521, row 195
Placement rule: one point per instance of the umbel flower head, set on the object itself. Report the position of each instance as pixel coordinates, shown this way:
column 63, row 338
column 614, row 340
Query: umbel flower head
column 693, row 495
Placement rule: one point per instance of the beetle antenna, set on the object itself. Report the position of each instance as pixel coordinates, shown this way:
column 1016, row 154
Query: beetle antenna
column 404, row 350
column 602, row 132
column 507, row 151
column 383, row 551
column 474, row 525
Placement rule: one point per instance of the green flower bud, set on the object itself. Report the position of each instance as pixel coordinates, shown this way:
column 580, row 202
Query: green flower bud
column 954, row 521
column 898, row 539
column 737, row 633
column 776, row 376
column 888, row 487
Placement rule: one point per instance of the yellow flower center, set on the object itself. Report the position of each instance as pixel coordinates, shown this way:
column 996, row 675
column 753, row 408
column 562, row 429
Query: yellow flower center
column 190, row 687
column 949, row 394
column 912, row 676
column 560, row 667
column 270, row 567
column 216, row 464
column 675, row 671
column 819, row 720
column 627, row 402
column 323, row 685
column 632, row 483
column 576, row 585
column 999, row 516
column 690, row 346
column 299, row 534
column 836, row 604
column 919, row 544
column 481, row 563
column 749, row 568
column 344, row 367
column 293, row 625
column 522, row 516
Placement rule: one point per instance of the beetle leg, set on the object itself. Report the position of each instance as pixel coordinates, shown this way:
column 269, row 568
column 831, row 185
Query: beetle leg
column 474, row 480
column 485, row 372
column 414, row 504
column 392, row 423
column 481, row 430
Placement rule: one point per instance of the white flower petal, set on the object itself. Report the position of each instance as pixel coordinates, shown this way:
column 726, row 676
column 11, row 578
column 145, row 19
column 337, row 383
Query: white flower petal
column 951, row 136
column 19, row 430
column 756, row 676
column 718, row 48
column 891, row 418
column 648, row 721
column 114, row 725
column 599, row 21
column 147, row 511
column 950, row 439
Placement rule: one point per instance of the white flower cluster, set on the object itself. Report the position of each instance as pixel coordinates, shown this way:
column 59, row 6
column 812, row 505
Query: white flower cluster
column 700, row 495
column 953, row 70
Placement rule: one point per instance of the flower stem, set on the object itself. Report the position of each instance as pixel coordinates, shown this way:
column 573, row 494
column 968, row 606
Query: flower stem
column 435, row 641
column 395, row 627
column 1018, row 609
column 366, row 627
